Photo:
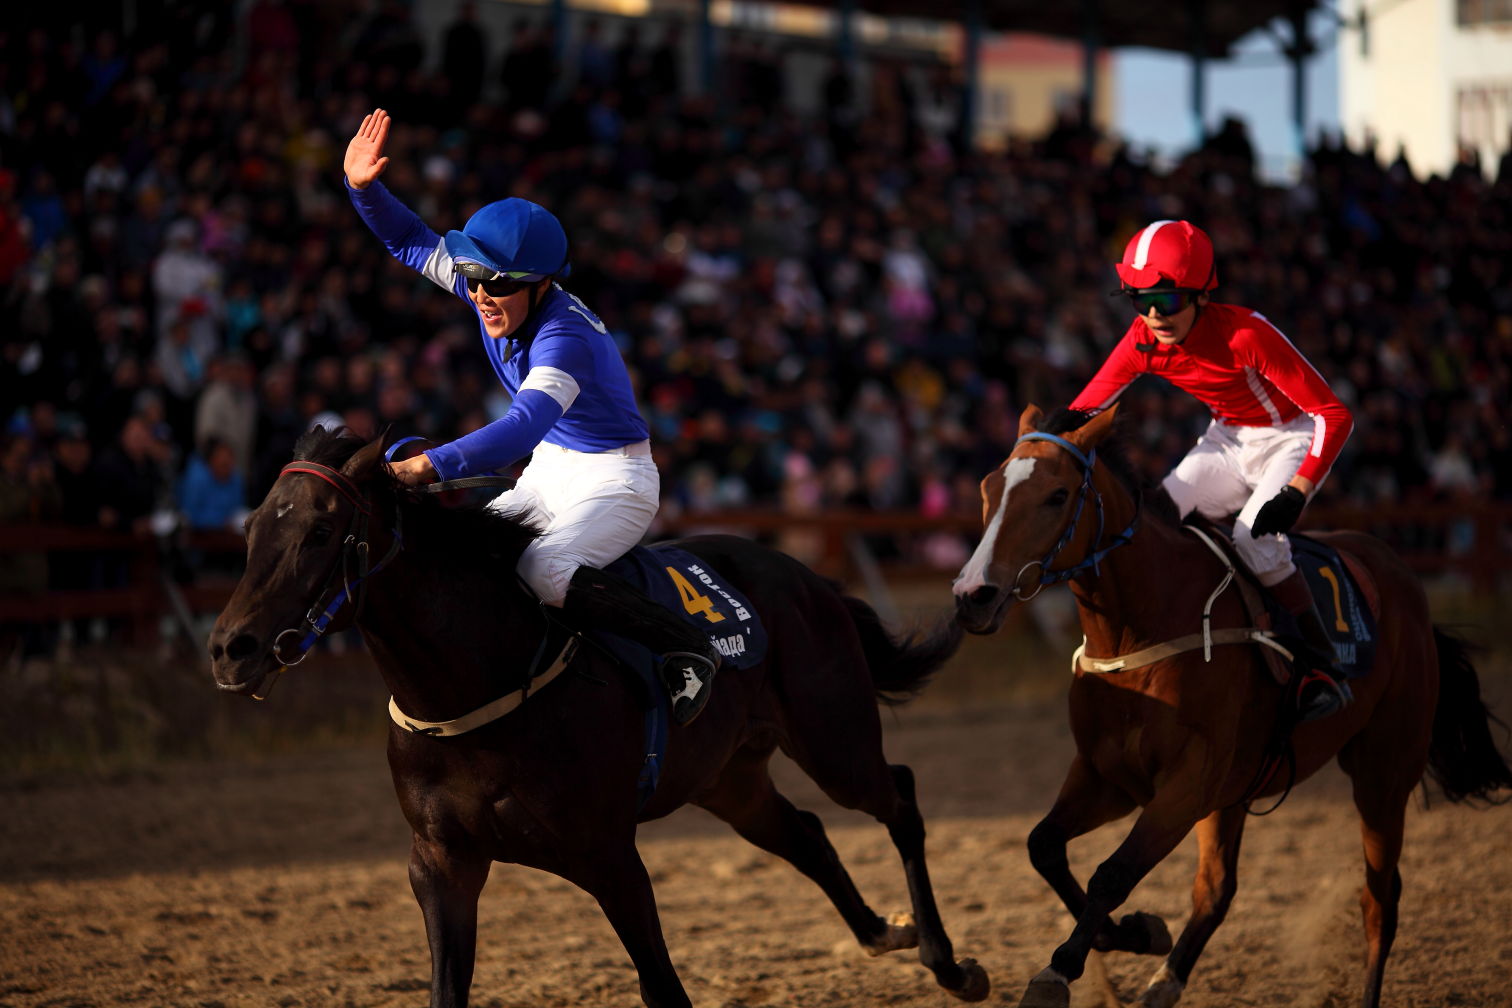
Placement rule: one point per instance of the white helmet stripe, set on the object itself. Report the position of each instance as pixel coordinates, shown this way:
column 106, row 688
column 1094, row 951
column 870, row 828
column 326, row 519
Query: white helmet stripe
column 1142, row 250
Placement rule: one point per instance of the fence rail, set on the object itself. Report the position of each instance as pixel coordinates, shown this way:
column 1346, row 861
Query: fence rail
column 1473, row 543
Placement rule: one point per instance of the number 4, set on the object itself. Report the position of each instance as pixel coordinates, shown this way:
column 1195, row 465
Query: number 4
column 692, row 600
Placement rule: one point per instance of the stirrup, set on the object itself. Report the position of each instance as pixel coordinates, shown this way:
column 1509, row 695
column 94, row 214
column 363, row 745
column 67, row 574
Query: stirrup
column 1333, row 696
column 690, row 679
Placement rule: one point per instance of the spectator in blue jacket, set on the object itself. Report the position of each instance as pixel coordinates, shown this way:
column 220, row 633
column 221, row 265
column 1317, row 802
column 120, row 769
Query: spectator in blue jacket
column 211, row 492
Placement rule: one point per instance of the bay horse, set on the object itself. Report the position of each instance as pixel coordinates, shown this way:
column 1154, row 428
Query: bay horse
column 554, row 783
column 1183, row 739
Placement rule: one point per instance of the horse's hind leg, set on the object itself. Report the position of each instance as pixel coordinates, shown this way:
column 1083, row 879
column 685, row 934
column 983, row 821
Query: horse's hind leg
column 966, row 980
column 746, row 798
column 1217, row 879
column 446, row 885
column 1086, row 802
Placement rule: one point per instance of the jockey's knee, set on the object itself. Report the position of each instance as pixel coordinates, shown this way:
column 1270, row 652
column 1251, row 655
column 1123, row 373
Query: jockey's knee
column 1268, row 558
column 548, row 576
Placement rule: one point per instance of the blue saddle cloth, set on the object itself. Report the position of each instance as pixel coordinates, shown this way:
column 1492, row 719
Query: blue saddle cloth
column 685, row 584
column 1349, row 621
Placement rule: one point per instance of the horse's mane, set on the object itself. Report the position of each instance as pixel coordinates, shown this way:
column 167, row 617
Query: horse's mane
column 469, row 533
column 1112, row 453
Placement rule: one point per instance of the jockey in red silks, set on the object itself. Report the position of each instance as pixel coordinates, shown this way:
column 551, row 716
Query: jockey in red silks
column 1276, row 425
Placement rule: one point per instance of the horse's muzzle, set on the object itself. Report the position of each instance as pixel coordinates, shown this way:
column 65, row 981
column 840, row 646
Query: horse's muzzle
column 238, row 663
column 981, row 610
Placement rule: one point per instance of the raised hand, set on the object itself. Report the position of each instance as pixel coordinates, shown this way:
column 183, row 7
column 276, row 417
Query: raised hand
column 364, row 160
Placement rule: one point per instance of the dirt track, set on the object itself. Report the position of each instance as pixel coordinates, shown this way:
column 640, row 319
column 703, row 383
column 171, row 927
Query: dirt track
column 291, row 890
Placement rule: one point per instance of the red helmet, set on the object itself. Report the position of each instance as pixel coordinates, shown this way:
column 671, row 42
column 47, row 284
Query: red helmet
column 1177, row 252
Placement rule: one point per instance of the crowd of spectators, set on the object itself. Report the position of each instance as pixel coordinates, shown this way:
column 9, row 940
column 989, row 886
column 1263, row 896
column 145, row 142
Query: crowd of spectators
column 841, row 310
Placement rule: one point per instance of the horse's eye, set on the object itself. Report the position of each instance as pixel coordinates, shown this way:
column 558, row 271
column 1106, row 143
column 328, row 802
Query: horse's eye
column 320, row 535
column 1057, row 499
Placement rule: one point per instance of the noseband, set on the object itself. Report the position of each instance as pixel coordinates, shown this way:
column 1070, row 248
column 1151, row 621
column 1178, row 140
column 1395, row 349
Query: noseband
column 336, row 592
column 1093, row 559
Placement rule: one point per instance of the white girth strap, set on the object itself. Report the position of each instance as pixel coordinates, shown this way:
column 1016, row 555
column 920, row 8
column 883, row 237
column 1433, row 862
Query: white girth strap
column 1191, row 642
column 488, row 712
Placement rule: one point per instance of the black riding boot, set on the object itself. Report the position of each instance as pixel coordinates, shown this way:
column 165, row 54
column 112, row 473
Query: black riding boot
column 597, row 599
column 1324, row 691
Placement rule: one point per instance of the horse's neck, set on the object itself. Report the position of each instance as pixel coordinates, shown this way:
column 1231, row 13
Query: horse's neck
column 1138, row 596
column 440, row 635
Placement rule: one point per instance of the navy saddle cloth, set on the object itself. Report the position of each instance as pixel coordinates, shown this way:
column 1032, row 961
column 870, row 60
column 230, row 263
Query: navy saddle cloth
column 688, row 586
column 1346, row 617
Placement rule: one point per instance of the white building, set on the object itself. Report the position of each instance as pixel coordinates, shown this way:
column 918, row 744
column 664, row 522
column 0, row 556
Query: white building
column 1429, row 77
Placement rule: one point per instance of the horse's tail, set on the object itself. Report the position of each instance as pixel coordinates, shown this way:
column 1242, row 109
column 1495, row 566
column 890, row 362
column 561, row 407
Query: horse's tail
column 1463, row 757
column 900, row 669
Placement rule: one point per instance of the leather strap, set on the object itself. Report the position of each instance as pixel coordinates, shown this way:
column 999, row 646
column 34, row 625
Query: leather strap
column 483, row 715
column 1181, row 645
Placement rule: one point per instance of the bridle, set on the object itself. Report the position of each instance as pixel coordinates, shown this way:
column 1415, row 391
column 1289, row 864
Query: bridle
column 1092, row 559
column 340, row 587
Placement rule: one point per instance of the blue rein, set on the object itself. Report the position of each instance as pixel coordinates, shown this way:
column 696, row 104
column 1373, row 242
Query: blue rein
column 1094, row 559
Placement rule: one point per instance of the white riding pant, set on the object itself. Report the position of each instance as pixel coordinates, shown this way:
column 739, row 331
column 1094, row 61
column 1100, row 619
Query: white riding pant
column 1234, row 468
column 592, row 508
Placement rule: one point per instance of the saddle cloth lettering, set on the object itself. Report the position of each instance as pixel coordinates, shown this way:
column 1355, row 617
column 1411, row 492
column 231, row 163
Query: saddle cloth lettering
column 1348, row 620
column 687, row 585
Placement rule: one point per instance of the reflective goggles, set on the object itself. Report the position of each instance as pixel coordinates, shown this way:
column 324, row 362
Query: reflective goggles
column 496, row 283
column 1165, row 300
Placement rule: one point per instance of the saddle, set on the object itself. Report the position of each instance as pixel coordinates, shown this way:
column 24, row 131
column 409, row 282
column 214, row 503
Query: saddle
column 1342, row 589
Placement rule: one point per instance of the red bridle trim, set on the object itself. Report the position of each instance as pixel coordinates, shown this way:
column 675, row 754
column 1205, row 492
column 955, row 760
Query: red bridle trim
column 345, row 486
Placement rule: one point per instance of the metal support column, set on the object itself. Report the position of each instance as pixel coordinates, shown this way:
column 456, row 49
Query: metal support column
column 972, row 73
column 705, row 47
column 1091, row 49
column 1197, row 16
column 1300, row 49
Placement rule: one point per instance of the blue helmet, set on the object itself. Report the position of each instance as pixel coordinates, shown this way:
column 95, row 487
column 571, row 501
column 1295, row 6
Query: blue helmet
column 512, row 236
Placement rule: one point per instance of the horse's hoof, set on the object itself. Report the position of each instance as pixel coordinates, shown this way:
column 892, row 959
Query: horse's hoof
column 1164, row 990
column 1153, row 937
column 975, row 984
column 1048, row 990
column 901, row 933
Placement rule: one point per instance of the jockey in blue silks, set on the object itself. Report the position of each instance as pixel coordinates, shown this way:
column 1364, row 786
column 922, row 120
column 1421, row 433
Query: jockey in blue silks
column 591, row 484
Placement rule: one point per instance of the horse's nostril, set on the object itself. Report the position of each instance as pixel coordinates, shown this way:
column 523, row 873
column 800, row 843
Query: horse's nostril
column 216, row 651
column 241, row 646
column 983, row 595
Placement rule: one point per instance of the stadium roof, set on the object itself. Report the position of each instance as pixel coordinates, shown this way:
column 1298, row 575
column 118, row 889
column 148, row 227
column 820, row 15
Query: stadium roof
column 1158, row 24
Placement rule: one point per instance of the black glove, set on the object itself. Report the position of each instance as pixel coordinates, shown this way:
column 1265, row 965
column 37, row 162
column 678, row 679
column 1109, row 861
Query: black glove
column 1280, row 513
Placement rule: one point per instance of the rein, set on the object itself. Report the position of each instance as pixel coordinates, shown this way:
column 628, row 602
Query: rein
column 1093, row 559
column 336, row 592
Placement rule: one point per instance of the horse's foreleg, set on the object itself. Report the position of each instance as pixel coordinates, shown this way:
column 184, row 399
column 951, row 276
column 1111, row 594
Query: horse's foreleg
column 1085, row 802
column 966, row 979
column 1156, row 833
column 1218, row 838
column 616, row 877
column 446, row 885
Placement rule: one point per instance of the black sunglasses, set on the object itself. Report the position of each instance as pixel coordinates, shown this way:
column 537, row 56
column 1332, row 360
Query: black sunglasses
column 1165, row 300
column 496, row 283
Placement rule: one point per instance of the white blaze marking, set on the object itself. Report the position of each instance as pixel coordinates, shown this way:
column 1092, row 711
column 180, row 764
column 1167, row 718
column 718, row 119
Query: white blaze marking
column 282, row 511
column 974, row 574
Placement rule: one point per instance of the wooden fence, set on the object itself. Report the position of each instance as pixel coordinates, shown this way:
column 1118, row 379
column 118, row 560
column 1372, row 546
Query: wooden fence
column 1474, row 544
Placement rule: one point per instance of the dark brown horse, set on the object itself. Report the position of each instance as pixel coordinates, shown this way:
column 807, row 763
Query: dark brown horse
column 553, row 784
column 1183, row 739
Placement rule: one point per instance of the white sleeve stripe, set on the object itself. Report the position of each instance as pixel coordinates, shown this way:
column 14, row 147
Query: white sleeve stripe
column 1319, row 427
column 555, row 382
column 438, row 268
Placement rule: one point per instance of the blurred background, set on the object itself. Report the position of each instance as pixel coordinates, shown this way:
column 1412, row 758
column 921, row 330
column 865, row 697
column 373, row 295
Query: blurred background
column 841, row 248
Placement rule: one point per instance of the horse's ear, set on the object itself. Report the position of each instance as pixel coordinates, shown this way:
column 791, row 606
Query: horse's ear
column 1090, row 434
column 364, row 465
column 1029, row 420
